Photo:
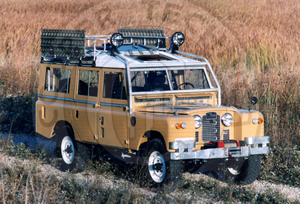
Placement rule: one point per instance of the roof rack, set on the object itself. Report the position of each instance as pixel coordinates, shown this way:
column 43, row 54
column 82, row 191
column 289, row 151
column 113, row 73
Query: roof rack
column 63, row 43
column 148, row 37
column 64, row 46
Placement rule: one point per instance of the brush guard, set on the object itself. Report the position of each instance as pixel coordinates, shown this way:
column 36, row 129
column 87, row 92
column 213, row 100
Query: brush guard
column 253, row 146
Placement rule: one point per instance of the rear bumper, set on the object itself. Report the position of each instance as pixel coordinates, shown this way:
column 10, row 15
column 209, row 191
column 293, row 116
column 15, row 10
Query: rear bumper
column 253, row 146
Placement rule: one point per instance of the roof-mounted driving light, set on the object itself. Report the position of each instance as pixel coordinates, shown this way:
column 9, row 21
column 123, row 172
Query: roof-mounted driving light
column 116, row 40
column 178, row 38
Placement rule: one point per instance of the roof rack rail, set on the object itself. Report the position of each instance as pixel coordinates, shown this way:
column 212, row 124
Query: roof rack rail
column 95, row 38
column 67, row 44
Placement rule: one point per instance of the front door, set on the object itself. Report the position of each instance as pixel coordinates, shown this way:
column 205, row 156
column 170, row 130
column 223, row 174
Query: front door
column 113, row 111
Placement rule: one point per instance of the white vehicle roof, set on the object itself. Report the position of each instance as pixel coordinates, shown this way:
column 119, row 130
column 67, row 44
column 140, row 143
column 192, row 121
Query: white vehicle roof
column 157, row 59
column 129, row 49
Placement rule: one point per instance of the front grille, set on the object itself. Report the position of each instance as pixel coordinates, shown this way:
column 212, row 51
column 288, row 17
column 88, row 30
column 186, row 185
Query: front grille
column 210, row 128
column 225, row 134
column 197, row 136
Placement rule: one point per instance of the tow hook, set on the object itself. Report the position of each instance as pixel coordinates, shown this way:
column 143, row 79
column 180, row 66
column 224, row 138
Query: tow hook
column 229, row 153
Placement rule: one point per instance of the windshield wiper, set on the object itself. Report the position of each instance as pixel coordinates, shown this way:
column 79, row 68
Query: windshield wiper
column 192, row 103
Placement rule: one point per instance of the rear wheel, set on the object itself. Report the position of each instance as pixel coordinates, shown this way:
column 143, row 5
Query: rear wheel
column 71, row 154
column 247, row 173
column 67, row 150
column 157, row 168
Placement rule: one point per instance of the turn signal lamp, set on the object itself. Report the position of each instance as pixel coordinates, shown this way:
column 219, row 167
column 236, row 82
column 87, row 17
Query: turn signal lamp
column 180, row 125
column 257, row 120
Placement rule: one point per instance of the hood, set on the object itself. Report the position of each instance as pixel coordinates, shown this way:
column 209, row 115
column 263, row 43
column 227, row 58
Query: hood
column 182, row 110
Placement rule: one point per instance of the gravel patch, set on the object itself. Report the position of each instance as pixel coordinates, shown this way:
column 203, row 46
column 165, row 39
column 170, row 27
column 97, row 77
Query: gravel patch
column 32, row 141
column 291, row 193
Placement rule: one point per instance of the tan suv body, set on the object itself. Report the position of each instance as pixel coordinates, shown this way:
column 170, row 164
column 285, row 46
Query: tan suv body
column 131, row 97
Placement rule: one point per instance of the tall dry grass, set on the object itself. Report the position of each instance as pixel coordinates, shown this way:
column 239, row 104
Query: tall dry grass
column 254, row 34
column 253, row 46
column 253, row 43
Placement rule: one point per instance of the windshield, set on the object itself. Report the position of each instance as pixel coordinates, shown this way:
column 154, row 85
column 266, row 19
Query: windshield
column 149, row 81
column 182, row 79
column 188, row 79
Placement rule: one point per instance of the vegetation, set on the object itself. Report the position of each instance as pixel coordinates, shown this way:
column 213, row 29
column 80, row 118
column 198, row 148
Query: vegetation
column 253, row 47
column 26, row 176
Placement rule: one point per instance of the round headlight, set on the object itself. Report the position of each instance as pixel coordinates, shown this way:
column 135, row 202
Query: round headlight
column 198, row 121
column 116, row 39
column 227, row 119
column 178, row 38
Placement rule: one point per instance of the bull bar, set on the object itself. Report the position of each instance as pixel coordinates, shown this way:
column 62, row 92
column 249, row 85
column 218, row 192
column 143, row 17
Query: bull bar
column 253, row 146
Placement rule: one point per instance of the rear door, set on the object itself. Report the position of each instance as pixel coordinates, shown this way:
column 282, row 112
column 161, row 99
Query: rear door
column 86, row 99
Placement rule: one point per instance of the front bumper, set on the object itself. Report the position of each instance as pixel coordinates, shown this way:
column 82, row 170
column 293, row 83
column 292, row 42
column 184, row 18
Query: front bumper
column 253, row 146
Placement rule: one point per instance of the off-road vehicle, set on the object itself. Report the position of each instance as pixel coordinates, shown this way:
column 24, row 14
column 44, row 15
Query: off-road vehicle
column 136, row 96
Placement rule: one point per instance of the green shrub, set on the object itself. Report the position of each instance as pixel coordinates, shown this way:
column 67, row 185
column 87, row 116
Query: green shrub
column 281, row 165
column 17, row 114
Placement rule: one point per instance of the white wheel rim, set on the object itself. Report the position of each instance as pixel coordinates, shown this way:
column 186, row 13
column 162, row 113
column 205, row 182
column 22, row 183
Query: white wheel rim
column 234, row 171
column 157, row 167
column 67, row 150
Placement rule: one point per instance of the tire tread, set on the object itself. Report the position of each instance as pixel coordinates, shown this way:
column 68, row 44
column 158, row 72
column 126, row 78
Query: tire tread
column 249, row 171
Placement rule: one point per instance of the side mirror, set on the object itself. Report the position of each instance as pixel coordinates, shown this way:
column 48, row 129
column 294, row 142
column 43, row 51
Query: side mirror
column 253, row 102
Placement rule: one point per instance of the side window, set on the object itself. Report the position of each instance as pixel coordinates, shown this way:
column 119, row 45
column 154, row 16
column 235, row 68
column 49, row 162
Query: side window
column 114, row 85
column 57, row 80
column 88, row 83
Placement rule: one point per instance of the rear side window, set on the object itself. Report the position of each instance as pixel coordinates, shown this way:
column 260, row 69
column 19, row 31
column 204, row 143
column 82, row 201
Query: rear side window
column 88, row 83
column 114, row 85
column 57, row 80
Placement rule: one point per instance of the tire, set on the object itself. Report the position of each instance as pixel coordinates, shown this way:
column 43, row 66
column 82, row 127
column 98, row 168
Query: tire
column 247, row 173
column 157, row 168
column 70, row 153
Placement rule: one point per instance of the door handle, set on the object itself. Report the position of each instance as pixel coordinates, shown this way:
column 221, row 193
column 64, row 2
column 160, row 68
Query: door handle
column 101, row 120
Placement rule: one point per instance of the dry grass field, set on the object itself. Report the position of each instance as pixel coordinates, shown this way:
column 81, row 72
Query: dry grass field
column 253, row 46
column 234, row 35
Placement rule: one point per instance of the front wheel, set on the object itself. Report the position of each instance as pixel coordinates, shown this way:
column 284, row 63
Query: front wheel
column 157, row 168
column 247, row 173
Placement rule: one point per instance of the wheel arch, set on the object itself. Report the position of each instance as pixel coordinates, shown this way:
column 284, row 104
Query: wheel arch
column 151, row 135
column 60, row 124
